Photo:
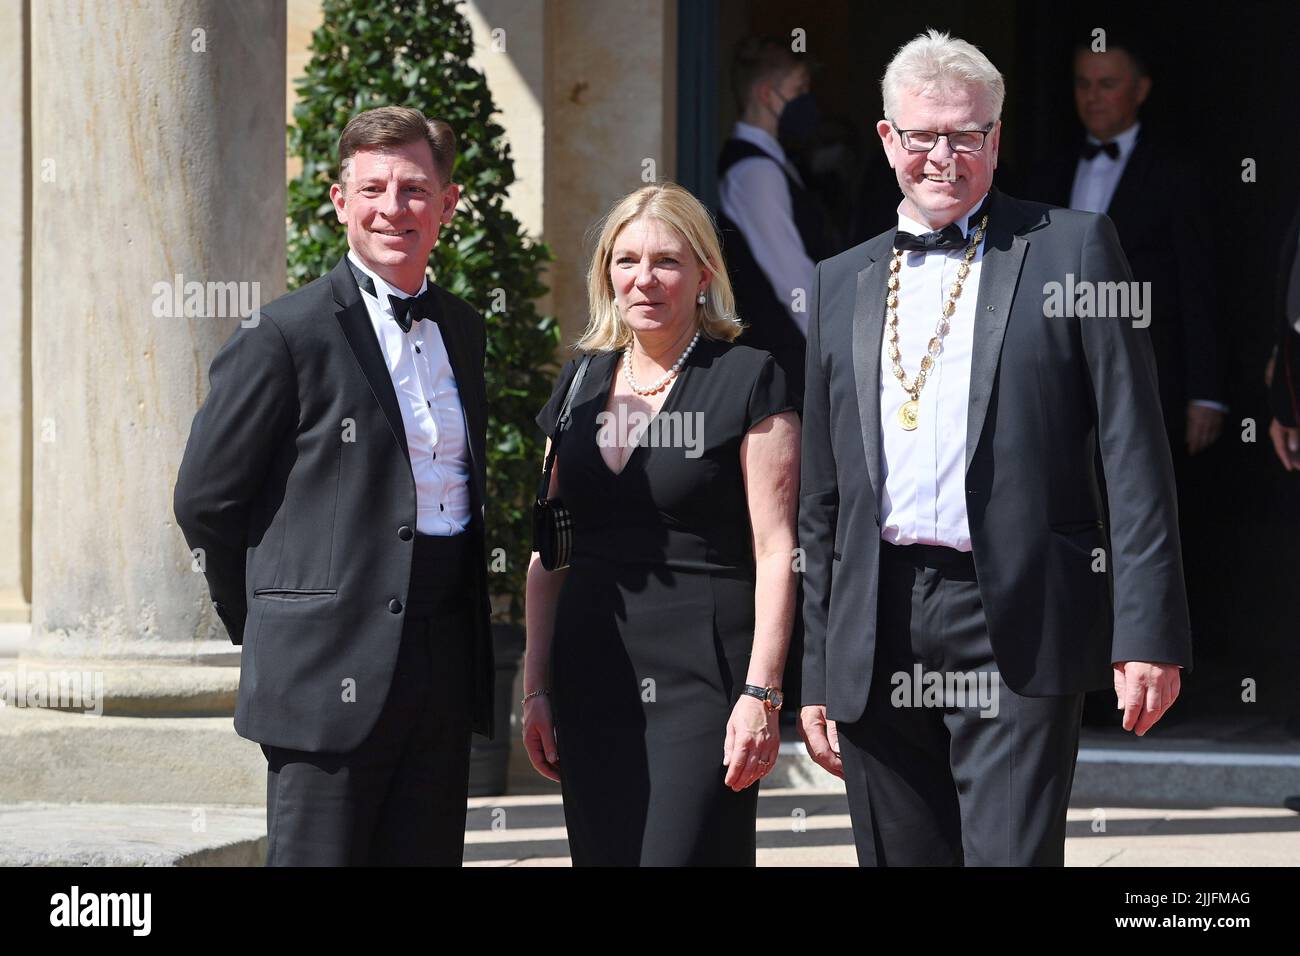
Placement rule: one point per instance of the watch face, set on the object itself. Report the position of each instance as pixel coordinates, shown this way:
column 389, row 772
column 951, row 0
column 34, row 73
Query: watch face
column 774, row 697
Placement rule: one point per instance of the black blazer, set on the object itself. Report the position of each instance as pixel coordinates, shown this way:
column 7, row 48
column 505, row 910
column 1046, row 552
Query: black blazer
column 1159, row 211
column 1284, row 396
column 1044, row 392
column 295, row 483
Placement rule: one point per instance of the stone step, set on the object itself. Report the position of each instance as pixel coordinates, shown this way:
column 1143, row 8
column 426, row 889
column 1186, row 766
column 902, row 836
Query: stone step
column 116, row 834
column 1133, row 772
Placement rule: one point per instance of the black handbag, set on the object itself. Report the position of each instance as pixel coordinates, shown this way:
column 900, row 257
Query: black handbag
column 552, row 522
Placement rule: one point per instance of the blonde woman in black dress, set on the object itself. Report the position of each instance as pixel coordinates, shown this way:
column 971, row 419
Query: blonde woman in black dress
column 654, row 660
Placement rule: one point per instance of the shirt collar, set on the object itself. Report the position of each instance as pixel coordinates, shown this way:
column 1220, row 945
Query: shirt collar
column 382, row 289
column 919, row 228
column 1124, row 140
column 760, row 138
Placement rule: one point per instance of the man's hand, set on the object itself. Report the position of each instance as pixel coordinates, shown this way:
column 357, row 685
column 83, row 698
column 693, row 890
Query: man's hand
column 1145, row 691
column 1204, row 425
column 821, row 738
column 1286, row 442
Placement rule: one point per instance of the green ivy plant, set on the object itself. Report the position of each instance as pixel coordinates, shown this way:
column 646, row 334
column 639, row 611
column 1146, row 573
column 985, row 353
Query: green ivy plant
column 416, row 53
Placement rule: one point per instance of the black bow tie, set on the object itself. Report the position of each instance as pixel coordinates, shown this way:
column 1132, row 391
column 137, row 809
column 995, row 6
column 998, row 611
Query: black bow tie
column 405, row 311
column 413, row 308
column 1090, row 150
column 950, row 237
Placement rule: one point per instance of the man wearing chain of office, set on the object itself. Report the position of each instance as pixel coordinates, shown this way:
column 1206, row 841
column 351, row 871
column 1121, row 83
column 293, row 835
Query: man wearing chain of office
column 951, row 514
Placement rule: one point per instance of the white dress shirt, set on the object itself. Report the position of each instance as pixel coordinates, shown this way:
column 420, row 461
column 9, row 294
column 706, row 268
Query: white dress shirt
column 923, row 472
column 755, row 196
column 431, row 411
column 1095, row 179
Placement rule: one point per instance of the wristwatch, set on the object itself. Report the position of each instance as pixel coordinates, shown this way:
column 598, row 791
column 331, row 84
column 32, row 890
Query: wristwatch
column 771, row 697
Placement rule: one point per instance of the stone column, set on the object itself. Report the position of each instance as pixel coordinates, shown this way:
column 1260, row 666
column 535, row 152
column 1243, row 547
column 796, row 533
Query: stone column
column 611, row 125
column 15, row 328
column 158, row 158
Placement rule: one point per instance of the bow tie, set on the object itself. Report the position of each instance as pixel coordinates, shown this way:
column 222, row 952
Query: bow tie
column 412, row 309
column 405, row 311
column 950, row 237
column 1090, row 150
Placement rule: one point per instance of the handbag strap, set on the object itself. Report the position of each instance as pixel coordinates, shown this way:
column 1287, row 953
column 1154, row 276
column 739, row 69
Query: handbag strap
column 560, row 424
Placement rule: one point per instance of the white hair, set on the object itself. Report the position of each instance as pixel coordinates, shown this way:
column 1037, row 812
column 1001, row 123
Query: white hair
column 936, row 63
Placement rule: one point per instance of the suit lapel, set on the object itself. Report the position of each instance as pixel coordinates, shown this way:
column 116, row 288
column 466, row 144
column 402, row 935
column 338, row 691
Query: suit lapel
column 1004, row 254
column 354, row 319
column 469, row 382
column 868, row 333
column 1128, row 191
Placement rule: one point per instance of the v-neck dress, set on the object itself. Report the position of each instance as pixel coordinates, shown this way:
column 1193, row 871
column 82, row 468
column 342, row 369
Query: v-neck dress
column 655, row 620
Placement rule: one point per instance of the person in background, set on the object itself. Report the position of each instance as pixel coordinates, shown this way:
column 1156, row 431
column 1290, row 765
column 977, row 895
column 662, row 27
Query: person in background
column 1153, row 192
column 772, row 226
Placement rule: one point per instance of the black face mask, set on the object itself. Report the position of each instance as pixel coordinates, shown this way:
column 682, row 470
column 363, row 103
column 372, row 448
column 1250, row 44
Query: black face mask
column 798, row 121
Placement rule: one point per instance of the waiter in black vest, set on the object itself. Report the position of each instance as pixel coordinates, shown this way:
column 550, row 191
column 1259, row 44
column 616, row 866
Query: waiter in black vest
column 772, row 227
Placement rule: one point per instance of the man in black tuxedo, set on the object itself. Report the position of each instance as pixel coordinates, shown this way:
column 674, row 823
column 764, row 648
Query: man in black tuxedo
column 334, row 483
column 1155, row 198
column 952, row 523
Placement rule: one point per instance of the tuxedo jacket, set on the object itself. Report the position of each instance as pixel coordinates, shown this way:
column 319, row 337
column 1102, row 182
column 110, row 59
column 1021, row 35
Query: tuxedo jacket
column 1159, row 210
column 296, row 483
column 1045, row 392
column 1284, row 395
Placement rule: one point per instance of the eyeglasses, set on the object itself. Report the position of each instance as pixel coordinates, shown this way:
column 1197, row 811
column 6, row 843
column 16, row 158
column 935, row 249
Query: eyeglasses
column 959, row 141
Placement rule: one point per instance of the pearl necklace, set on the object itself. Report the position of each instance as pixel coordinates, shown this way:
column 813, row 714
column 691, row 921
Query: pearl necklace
column 663, row 379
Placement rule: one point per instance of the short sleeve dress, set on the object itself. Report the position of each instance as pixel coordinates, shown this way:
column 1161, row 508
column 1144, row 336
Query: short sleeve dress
column 655, row 620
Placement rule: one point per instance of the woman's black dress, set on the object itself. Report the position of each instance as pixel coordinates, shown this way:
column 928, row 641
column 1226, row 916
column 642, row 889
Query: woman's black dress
column 655, row 620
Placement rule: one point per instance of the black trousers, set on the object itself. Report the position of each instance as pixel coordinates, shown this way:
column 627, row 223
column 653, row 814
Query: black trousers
column 399, row 798
column 948, row 766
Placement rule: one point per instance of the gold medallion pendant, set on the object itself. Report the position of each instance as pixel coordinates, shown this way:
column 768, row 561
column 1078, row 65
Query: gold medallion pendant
column 910, row 411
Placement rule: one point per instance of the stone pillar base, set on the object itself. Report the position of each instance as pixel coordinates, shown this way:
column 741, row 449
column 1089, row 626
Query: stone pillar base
column 117, row 688
column 62, row 757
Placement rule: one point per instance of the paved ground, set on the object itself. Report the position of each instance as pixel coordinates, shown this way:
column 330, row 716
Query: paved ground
column 802, row 828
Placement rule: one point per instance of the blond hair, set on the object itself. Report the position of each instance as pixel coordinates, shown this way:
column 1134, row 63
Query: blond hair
column 675, row 207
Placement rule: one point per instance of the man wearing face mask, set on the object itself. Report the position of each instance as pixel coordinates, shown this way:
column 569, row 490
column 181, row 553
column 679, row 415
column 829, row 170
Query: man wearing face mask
column 771, row 224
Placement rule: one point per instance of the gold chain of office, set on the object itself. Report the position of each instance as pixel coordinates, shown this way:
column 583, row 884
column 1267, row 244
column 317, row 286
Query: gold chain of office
column 909, row 411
